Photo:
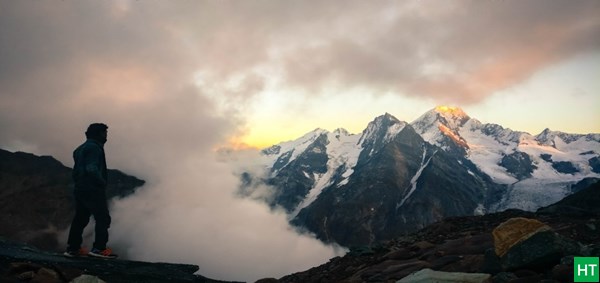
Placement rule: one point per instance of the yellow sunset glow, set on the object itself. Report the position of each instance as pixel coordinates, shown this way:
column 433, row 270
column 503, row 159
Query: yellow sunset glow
column 448, row 109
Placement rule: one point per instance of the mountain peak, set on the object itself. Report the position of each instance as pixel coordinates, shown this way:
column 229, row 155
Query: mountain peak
column 447, row 116
column 451, row 111
column 341, row 131
column 387, row 116
column 383, row 128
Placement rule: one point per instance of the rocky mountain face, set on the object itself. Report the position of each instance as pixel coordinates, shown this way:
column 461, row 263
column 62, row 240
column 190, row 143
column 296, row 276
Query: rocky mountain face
column 36, row 197
column 508, row 246
column 397, row 177
column 397, row 185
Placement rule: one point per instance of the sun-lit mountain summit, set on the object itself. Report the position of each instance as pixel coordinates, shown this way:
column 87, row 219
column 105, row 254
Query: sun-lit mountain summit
column 452, row 110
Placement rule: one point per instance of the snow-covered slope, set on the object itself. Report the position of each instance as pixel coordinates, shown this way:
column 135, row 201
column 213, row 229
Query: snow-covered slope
column 280, row 155
column 538, row 169
column 343, row 150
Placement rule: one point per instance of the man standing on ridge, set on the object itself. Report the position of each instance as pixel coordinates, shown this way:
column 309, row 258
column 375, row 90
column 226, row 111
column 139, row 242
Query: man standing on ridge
column 90, row 177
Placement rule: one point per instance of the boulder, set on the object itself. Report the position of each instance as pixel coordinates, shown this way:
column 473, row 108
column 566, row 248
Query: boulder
column 87, row 279
column 513, row 231
column 428, row 275
column 541, row 250
column 46, row 275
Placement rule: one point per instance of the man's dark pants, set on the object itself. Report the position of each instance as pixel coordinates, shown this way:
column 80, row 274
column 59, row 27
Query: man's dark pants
column 88, row 203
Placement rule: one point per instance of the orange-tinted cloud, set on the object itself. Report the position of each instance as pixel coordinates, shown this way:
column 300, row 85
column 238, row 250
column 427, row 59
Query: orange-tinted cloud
column 485, row 47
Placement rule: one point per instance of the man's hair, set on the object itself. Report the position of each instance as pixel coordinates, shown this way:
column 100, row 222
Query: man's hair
column 95, row 129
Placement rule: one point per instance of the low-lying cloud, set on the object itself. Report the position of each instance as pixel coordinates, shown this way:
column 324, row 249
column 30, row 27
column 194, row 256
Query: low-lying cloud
column 193, row 216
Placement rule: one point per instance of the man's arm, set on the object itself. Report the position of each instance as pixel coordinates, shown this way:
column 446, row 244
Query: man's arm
column 92, row 166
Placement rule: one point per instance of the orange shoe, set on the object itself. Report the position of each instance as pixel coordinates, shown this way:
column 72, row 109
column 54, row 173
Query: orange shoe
column 106, row 253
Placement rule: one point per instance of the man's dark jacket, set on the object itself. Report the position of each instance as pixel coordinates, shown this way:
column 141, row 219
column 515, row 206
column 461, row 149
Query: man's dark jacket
column 89, row 172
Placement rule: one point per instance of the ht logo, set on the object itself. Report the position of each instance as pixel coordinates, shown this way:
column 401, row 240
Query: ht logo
column 585, row 269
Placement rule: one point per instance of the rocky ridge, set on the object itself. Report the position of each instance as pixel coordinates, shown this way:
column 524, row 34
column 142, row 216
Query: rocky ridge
column 23, row 263
column 509, row 246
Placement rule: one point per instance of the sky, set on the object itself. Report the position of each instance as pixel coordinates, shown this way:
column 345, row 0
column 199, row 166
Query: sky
column 178, row 80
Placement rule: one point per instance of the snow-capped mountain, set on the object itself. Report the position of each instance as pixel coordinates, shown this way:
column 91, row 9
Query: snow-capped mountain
column 538, row 170
column 396, row 177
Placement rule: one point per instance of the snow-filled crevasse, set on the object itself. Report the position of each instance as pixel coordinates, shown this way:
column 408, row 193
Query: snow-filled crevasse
column 414, row 179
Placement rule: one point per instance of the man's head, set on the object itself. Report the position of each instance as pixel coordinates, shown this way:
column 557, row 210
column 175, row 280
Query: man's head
column 97, row 131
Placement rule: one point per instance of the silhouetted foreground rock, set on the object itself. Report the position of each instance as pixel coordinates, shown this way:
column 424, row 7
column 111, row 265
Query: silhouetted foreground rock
column 21, row 263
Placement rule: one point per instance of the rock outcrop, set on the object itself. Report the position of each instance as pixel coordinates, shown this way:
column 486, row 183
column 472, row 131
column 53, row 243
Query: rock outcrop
column 515, row 230
column 22, row 263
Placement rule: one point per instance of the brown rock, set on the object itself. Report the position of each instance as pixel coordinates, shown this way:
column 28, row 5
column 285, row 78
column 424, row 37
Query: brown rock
column 68, row 273
column 514, row 231
column 45, row 275
column 404, row 266
column 468, row 245
column 26, row 276
column 422, row 245
column 438, row 263
column 401, row 254
column 466, row 263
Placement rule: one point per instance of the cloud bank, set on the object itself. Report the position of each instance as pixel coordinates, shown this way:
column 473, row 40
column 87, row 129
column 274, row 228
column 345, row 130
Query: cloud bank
column 172, row 80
